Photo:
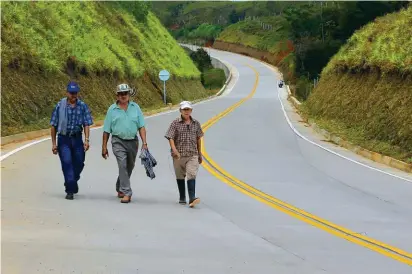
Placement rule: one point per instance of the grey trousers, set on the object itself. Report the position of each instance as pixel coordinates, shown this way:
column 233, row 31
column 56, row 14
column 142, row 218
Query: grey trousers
column 125, row 152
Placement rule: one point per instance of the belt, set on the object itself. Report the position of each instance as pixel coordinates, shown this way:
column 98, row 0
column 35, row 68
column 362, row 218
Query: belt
column 134, row 139
column 73, row 134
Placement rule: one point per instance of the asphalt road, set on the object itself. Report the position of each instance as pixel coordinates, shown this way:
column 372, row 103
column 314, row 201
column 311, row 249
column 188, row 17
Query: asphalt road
column 233, row 229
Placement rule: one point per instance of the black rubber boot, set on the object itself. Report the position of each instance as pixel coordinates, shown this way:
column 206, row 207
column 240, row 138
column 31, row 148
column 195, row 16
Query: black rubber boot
column 182, row 191
column 191, row 188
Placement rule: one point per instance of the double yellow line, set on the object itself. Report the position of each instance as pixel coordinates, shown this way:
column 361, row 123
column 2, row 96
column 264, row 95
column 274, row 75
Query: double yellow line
column 221, row 174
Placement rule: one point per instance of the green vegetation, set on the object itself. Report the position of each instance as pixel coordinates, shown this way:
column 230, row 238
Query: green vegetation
column 202, row 59
column 365, row 92
column 213, row 78
column 98, row 44
column 252, row 33
column 205, row 31
column 94, row 35
column 314, row 31
column 300, row 37
column 384, row 44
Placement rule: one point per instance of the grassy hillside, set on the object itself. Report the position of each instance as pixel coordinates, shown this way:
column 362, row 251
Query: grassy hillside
column 265, row 39
column 99, row 44
column 384, row 45
column 302, row 39
column 365, row 92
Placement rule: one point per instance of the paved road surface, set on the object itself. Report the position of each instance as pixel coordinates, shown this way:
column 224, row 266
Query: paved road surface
column 230, row 231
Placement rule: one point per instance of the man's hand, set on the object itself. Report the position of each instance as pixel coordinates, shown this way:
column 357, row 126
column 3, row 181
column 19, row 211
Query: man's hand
column 175, row 154
column 86, row 145
column 200, row 159
column 54, row 149
column 105, row 152
column 144, row 146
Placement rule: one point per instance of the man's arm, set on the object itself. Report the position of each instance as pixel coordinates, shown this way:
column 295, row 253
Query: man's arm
column 107, row 129
column 141, row 125
column 88, row 121
column 170, row 135
column 105, row 152
column 54, row 120
column 86, row 137
column 86, row 133
column 175, row 152
column 142, row 133
column 53, row 132
column 199, row 143
column 199, row 149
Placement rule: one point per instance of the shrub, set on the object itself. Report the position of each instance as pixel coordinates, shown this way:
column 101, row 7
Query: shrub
column 213, row 78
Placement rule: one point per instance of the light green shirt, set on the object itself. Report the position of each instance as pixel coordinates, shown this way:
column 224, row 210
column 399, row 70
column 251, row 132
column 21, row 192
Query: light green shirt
column 124, row 124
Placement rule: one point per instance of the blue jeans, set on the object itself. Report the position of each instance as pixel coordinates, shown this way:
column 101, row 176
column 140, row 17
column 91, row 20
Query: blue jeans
column 72, row 156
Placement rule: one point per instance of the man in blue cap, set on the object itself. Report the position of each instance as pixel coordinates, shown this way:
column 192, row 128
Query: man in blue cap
column 69, row 118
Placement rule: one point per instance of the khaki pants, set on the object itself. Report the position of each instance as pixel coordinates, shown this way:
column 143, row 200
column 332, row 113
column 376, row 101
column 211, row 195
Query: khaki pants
column 186, row 166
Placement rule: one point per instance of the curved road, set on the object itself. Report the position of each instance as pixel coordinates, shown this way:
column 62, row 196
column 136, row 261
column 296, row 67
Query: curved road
column 271, row 201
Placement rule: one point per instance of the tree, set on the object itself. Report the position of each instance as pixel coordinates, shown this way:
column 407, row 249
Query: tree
column 233, row 17
column 201, row 59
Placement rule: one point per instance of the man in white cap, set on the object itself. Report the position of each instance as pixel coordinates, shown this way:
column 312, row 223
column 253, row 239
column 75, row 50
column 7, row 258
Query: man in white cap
column 184, row 135
column 123, row 120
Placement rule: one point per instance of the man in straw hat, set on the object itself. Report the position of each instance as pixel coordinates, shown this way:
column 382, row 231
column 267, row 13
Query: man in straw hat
column 123, row 120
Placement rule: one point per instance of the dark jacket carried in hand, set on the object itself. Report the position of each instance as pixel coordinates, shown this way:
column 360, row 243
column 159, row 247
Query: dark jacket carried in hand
column 149, row 162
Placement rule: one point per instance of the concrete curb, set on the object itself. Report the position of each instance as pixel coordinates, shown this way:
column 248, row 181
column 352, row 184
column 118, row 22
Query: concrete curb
column 374, row 156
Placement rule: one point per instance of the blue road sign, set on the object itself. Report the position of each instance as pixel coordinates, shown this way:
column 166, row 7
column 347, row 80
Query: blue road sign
column 164, row 75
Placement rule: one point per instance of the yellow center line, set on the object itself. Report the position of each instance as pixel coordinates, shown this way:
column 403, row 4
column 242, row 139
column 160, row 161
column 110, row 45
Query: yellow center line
column 217, row 171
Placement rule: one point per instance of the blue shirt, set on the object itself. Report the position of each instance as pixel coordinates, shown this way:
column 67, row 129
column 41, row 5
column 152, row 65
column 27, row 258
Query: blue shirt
column 77, row 116
column 124, row 123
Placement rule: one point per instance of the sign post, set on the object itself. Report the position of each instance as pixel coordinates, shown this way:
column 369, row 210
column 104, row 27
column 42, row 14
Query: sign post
column 164, row 76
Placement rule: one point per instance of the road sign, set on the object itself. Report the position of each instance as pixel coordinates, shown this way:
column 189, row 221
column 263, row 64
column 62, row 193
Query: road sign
column 164, row 76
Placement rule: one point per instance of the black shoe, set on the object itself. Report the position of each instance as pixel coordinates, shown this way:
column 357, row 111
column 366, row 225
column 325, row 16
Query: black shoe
column 182, row 202
column 69, row 196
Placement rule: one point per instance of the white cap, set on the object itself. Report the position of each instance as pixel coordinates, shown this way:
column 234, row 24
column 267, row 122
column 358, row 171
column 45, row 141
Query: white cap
column 185, row 104
column 123, row 88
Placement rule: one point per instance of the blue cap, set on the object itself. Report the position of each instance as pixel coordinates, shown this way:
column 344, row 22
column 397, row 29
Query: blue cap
column 73, row 87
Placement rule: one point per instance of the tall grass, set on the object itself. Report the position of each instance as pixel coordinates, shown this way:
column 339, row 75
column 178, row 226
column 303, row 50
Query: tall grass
column 365, row 92
column 97, row 36
column 250, row 33
column 385, row 44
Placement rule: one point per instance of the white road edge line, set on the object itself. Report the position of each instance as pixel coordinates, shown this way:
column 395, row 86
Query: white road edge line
column 320, row 146
column 226, row 92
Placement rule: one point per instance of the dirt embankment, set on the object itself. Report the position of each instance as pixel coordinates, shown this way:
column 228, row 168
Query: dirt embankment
column 29, row 98
column 371, row 109
column 277, row 60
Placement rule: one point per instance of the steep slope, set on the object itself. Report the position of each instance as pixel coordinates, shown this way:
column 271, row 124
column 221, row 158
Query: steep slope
column 365, row 92
column 99, row 44
column 265, row 39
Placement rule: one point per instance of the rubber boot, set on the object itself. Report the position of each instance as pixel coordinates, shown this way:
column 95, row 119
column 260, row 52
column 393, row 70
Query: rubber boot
column 182, row 191
column 191, row 187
